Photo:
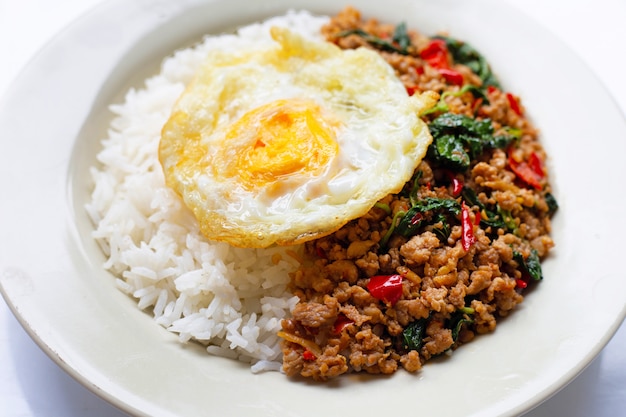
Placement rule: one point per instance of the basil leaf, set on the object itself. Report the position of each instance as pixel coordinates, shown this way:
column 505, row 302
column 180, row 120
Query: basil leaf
column 413, row 335
column 507, row 219
column 496, row 219
column 532, row 264
column 456, row 322
column 449, row 151
column 442, row 232
column 470, row 196
column 401, row 37
column 442, row 105
column 457, row 139
column 477, row 92
column 373, row 40
column 474, row 145
column 552, row 203
column 500, row 219
column 415, row 181
column 410, row 223
column 500, row 141
column 464, row 53
column 493, row 221
column 450, row 121
column 413, row 219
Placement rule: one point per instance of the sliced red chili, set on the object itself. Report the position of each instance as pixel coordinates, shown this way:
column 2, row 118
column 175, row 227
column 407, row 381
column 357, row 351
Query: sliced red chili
column 411, row 90
column 476, row 104
column 525, row 173
column 387, row 288
column 451, row 76
column 341, row 323
column 457, row 184
column 520, row 283
column 535, row 163
column 307, row 355
column 467, row 226
column 491, row 89
column 514, row 103
column 436, row 54
column 320, row 252
column 416, row 219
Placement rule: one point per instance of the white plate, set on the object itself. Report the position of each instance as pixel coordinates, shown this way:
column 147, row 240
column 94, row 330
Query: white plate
column 51, row 122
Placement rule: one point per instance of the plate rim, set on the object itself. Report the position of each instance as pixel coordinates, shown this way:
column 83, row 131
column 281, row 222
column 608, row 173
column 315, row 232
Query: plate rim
column 14, row 306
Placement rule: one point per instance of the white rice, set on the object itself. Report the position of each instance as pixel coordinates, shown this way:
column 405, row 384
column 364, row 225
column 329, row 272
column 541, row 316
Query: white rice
column 232, row 300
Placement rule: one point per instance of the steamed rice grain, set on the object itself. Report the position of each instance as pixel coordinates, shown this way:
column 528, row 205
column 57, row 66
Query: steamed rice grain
column 230, row 299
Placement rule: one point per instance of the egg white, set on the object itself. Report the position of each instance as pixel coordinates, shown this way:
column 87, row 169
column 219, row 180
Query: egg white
column 370, row 128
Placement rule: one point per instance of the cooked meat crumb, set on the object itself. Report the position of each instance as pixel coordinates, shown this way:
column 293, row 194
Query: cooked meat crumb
column 463, row 266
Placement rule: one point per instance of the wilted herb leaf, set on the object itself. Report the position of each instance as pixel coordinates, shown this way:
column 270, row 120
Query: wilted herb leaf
column 413, row 334
column 532, row 264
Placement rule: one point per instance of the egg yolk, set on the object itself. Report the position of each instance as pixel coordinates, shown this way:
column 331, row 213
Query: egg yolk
column 283, row 138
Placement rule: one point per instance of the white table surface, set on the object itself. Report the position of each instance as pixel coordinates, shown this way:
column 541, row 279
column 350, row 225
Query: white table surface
column 32, row 385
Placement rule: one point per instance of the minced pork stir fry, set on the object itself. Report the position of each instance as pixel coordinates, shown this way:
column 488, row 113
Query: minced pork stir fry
column 428, row 269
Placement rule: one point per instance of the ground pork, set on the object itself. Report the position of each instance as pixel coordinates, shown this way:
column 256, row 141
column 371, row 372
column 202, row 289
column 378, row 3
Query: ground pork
column 459, row 270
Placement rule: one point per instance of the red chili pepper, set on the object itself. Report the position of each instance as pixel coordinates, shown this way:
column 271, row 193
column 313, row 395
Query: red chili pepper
column 520, row 283
column 320, row 252
column 491, row 89
column 341, row 323
column 411, row 90
column 457, row 184
column 526, row 173
column 451, row 76
column 436, row 54
column 467, row 237
column 535, row 163
column 476, row 104
column 416, row 219
column 387, row 288
column 307, row 355
column 514, row 103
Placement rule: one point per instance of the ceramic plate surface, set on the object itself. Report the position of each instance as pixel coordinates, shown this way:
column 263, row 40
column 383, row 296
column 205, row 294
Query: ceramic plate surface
column 51, row 124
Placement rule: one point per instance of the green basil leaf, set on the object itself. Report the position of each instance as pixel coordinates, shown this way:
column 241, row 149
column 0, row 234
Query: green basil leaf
column 375, row 41
column 401, row 37
column 470, row 196
column 414, row 218
column 498, row 219
column 493, row 221
column 474, row 145
column 457, row 139
column 477, row 92
column 507, row 219
column 450, row 151
column 443, row 232
column 500, row 141
column 410, row 223
column 456, row 322
column 413, row 335
column 415, row 187
column 464, row 53
column 532, row 264
column 552, row 203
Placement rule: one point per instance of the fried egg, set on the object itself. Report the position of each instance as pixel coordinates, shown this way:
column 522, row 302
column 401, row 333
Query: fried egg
column 285, row 142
